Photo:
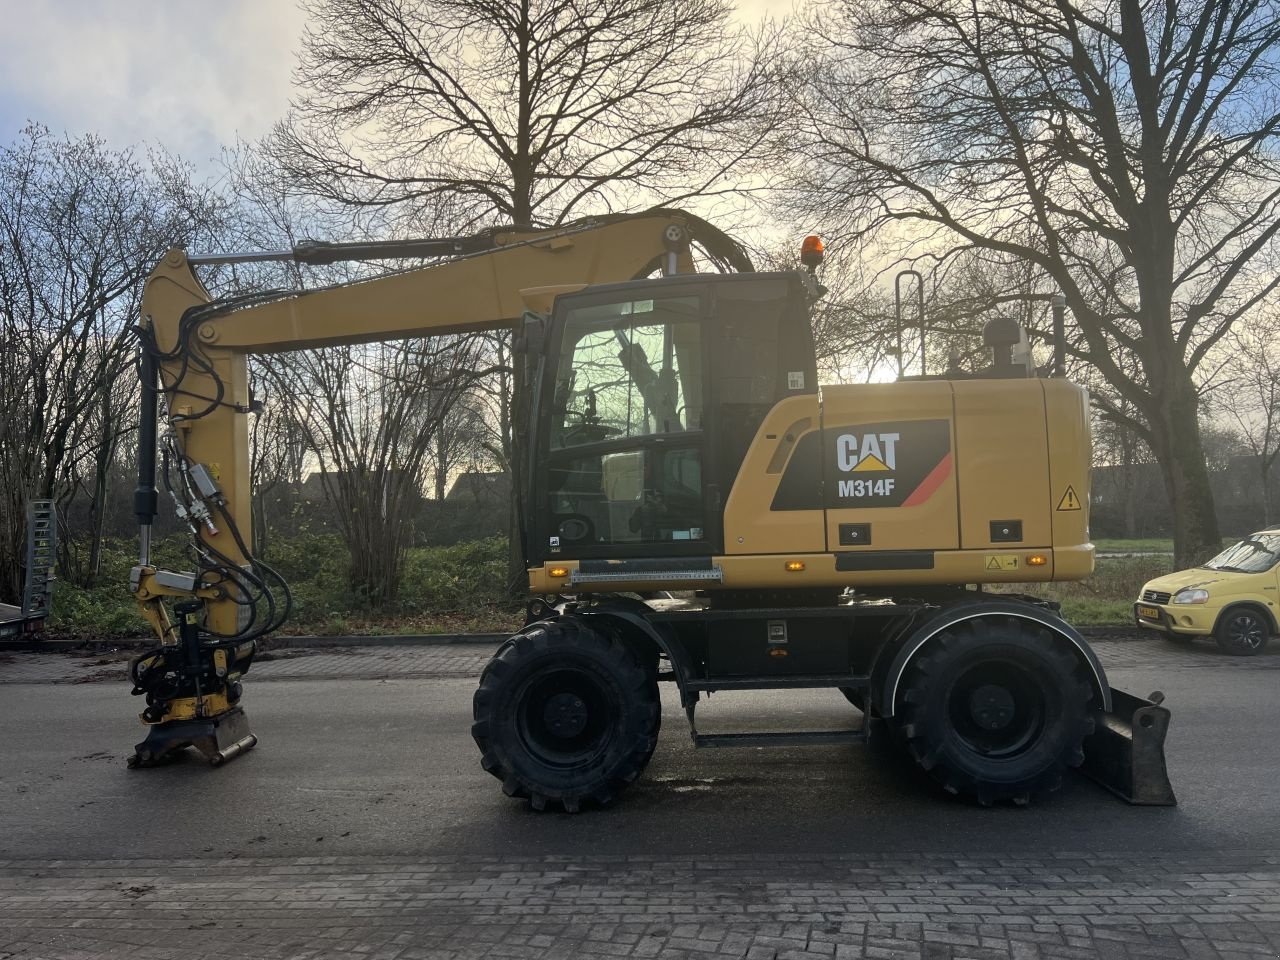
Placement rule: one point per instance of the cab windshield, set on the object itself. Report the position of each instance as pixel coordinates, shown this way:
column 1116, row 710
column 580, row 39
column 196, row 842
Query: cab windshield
column 1253, row 554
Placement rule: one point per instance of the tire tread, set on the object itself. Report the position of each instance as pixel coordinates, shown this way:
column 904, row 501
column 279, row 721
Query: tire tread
column 544, row 639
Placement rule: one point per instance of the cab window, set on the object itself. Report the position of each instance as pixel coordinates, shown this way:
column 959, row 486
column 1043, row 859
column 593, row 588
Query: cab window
column 633, row 369
column 625, row 459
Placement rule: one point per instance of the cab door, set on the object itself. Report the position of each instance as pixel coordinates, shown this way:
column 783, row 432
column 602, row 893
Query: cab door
column 622, row 433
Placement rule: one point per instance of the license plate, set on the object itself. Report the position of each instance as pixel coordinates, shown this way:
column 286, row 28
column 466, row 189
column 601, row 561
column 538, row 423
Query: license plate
column 1148, row 613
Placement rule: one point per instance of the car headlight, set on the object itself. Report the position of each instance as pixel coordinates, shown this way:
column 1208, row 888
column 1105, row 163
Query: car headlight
column 1193, row 595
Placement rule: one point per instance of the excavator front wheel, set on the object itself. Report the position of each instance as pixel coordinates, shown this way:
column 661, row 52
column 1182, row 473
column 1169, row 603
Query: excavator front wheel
column 995, row 709
column 565, row 715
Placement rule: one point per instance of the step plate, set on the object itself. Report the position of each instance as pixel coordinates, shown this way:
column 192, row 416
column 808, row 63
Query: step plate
column 713, row 575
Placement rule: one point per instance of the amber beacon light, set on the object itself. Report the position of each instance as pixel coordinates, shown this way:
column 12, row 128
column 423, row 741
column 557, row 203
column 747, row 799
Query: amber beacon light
column 812, row 250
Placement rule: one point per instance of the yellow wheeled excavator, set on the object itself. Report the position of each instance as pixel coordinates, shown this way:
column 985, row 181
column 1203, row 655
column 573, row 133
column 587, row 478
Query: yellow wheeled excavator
column 696, row 509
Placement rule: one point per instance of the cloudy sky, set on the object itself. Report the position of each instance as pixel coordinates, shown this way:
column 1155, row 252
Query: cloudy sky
column 189, row 74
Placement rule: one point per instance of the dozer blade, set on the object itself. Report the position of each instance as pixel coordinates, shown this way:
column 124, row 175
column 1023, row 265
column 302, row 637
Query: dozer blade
column 220, row 739
column 1125, row 753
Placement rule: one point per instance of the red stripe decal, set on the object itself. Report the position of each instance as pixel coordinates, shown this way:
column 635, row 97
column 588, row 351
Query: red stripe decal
column 930, row 484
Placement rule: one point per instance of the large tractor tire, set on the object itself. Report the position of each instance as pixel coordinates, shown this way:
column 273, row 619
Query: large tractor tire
column 996, row 709
column 564, row 715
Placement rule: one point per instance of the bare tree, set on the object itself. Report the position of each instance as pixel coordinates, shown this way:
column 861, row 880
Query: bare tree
column 278, row 456
column 458, row 442
column 1126, row 149
column 1117, row 446
column 527, row 112
column 80, row 227
column 368, row 417
column 370, row 414
column 1250, row 400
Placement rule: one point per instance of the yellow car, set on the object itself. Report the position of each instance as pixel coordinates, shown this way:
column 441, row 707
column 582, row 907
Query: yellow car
column 1232, row 597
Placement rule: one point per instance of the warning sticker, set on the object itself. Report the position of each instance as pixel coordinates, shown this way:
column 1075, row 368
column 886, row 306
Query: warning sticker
column 1002, row 561
column 1069, row 500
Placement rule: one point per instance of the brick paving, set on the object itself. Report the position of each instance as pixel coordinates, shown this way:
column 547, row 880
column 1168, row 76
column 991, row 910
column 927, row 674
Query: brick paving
column 1073, row 905
column 1153, row 650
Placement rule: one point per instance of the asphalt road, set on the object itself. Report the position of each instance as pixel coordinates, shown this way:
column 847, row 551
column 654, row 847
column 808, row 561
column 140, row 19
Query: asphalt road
column 383, row 767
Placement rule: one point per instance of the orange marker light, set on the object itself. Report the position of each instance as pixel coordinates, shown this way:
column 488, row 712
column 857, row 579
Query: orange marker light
column 1037, row 560
column 558, row 572
column 795, row 566
column 812, row 251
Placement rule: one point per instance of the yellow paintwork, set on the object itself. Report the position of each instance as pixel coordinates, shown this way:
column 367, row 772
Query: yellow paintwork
column 466, row 295
column 749, row 525
column 208, row 707
column 1225, row 588
column 1002, row 460
column 150, row 598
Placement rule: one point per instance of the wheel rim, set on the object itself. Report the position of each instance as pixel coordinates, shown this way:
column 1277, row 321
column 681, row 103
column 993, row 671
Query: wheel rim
column 1244, row 630
column 997, row 709
column 564, row 717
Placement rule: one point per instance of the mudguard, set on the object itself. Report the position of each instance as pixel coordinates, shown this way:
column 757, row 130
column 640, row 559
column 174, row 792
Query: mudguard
column 902, row 655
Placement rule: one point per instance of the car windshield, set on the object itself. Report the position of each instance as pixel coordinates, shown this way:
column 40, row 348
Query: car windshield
column 1251, row 555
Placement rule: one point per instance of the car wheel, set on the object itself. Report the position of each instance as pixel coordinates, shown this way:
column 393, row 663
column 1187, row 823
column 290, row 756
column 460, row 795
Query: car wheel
column 1242, row 632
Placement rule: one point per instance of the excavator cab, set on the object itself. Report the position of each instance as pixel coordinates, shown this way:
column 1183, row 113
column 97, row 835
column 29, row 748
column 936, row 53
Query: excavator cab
column 646, row 399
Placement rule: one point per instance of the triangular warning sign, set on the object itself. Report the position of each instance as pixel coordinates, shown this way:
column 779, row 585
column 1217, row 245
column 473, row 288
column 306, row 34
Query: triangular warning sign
column 870, row 462
column 1069, row 500
column 993, row 563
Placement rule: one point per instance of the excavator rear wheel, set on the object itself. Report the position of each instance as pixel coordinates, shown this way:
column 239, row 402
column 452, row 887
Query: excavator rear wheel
column 565, row 716
column 996, row 709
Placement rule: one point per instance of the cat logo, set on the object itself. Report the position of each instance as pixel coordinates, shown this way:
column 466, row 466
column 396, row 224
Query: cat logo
column 876, row 451
column 892, row 463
